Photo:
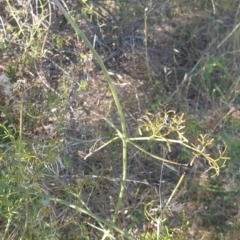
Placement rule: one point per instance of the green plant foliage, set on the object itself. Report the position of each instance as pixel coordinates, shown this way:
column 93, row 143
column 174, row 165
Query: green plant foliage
column 3, row 45
column 83, row 85
column 59, row 41
column 211, row 67
column 163, row 125
column 192, row 127
column 11, row 73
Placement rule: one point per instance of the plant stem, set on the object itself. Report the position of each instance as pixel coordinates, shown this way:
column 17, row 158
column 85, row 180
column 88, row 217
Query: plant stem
column 116, row 100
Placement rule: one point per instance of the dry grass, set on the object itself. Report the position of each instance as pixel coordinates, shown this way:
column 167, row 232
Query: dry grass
column 191, row 52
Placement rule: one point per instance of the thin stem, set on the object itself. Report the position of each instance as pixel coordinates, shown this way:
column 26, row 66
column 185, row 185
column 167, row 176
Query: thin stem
column 83, row 209
column 169, row 200
column 154, row 156
column 117, row 102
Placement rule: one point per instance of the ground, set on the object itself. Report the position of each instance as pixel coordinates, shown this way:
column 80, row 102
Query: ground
column 174, row 67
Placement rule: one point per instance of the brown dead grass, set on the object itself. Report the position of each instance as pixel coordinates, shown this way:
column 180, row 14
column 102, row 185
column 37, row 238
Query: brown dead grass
column 177, row 42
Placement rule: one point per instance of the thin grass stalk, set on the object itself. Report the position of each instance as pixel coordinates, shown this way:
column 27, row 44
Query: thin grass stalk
column 21, row 120
column 116, row 100
column 15, row 18
column 167, row 203
column 4, row 236
column 146, row 45
column 81, row 209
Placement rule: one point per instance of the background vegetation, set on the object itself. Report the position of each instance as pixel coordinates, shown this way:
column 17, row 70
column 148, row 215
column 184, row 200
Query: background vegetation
column 64, row 171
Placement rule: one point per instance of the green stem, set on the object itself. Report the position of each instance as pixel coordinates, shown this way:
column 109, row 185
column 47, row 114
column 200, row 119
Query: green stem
column 154, row 156
column 117, row 102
